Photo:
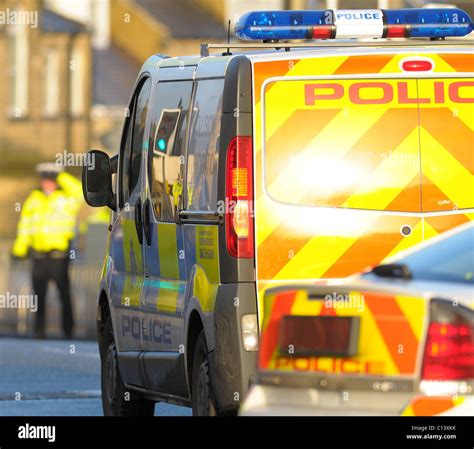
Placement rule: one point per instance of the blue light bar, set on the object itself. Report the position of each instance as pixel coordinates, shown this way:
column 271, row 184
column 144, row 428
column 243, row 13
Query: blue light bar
column 332, row 24
column 448, row 22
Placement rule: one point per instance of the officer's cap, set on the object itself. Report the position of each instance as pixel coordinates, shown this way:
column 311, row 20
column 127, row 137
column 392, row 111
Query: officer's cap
column 48, row 170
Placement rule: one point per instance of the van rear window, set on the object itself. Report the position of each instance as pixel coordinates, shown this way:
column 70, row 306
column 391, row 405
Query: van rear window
column 344, row 143
column 359, row 144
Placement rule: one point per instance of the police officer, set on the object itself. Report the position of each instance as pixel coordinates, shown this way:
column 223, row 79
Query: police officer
column 46, row 228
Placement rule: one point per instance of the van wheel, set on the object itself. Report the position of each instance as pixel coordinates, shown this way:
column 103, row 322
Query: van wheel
column 202, row 400
column 116, row 399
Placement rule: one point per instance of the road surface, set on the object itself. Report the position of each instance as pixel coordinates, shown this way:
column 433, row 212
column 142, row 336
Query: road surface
column 54, row 377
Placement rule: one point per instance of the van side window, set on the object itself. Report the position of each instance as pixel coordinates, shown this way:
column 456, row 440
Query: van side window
column 203, row 146
column 166, row 171
column 133, row 140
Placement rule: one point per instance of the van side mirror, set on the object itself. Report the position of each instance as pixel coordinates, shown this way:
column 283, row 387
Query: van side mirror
column 97, row 180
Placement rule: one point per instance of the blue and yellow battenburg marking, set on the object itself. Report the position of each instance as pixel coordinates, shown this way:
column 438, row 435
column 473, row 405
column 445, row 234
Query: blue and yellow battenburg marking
column 177, row 253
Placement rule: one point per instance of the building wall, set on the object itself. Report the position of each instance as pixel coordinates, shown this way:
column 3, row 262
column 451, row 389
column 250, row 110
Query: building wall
column 33, row 130
column 95, row 14
column 129, row 24
column 216, row 7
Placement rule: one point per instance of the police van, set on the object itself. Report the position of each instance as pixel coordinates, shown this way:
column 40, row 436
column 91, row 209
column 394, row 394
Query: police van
column 286, row 157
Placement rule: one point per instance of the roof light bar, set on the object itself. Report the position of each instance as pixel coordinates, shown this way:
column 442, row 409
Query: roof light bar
column 353, row 23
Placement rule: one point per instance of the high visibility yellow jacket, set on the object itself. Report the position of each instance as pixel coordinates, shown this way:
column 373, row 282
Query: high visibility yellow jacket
column 48, row 222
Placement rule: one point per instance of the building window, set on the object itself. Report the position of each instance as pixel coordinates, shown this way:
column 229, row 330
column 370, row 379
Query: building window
column 51, row 83
column 18, row 55
column 77, row 80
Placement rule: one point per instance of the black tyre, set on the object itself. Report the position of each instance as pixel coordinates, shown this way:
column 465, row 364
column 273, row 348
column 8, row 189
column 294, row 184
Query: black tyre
column 201, row 394
column 116, row 399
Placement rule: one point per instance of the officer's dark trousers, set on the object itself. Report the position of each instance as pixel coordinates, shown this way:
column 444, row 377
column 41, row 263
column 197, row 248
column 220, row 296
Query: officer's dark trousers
column 57, row 270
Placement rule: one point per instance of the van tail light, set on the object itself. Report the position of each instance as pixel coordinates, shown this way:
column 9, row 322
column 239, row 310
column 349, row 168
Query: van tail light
column 239, row 198
column 449, row 348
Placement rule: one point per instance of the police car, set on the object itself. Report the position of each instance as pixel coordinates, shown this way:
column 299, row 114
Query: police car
column 286, row 157
column 396, row 340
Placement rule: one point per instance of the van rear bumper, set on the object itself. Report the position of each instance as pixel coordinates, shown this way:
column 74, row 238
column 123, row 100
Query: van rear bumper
column 231, row 367
column 266, row 400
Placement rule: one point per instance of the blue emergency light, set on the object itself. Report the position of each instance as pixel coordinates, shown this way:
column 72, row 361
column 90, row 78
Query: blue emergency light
column 353, row 23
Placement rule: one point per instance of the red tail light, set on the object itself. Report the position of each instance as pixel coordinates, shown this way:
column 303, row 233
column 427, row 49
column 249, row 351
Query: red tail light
column 239, row 198
column 449, row 349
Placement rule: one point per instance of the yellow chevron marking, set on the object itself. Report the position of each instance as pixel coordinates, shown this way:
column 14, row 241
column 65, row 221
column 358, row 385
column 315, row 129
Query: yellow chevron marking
column 354, row 120
column 446, row 172
column 334, row 247
column 458, row 400
column 372, row 346
column 429, row 231
column 327, row 149
column 387, row 181
column 463, row 111
column 303, row 264
column 415, row 310
column 303, row 306
column 416, row 236
column 281, row 110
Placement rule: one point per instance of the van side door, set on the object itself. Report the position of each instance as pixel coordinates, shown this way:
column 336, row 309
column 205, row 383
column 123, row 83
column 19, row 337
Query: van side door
column 202, row 208
column 165, row 272
column 126, row 281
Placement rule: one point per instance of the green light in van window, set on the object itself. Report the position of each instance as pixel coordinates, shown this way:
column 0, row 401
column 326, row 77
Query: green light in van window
column 161, row 144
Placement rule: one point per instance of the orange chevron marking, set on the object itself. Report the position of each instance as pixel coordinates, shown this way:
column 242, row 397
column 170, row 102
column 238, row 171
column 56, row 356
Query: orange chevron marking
column 451, row 133
column 368, row 152
column 282, row 304
column 285, row 137
column 430, row 406
column 447, row 222
column 276, row 250
column 434, row 199
column 371, row 248
column 395, row 329
column 363, row 64
column 265, row 70
column 459, row 62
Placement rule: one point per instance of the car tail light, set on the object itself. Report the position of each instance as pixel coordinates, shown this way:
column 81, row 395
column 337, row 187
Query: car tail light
column 239, row 198
column 449, row 348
